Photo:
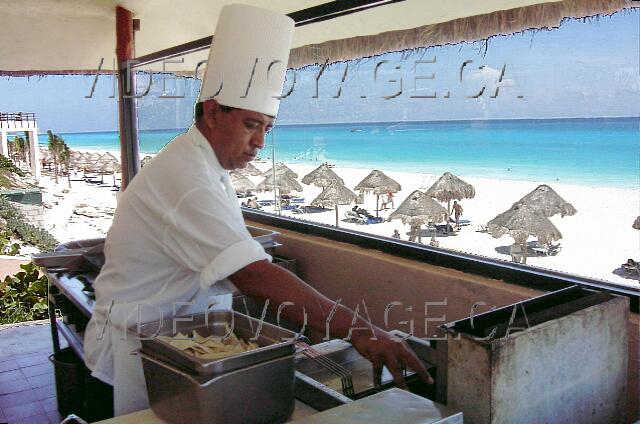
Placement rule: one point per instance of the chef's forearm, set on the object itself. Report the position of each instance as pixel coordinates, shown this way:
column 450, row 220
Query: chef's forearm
column 264, row 280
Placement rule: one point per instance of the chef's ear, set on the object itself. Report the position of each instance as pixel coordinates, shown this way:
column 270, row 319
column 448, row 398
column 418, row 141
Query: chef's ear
column 210, row 111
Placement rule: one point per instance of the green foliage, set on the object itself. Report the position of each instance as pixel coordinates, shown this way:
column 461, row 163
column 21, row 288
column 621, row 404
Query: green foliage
column 6, row 247
column 23, row 296
column 28, row 233
column 6, row 163
column 59, row 151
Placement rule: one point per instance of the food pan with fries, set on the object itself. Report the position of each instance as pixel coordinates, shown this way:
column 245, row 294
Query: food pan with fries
column 214, row 343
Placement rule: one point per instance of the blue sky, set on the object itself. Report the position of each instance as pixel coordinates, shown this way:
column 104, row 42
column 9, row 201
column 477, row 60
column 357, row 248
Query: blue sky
column 583, row 69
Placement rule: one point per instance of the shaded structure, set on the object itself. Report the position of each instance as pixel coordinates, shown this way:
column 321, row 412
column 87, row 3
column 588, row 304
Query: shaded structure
column 24, row 123
column 280, row 168
column 377, row 182
column 520, row 222
column 333, row 195
column 546, row 201
column 322, row 176
column 283, row 181
column 241, row 183
column 449, row 187
column 418, row 209
column 636, row 223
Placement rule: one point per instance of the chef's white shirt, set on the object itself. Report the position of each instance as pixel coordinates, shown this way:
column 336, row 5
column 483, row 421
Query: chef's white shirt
column 176, row 236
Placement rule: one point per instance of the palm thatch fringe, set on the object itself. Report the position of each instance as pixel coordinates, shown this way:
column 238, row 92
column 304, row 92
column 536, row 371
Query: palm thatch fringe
column 474, row 28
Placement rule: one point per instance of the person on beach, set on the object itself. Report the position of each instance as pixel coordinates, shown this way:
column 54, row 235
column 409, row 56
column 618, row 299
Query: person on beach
column 396, row 234
column 389, row 200
column 179, row 245
column 252, row 203
column 456, row 210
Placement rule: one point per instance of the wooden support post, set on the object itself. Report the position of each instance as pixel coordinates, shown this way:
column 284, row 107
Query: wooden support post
column 127, row 113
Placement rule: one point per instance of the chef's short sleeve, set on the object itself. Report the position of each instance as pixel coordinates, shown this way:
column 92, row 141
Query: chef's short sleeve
column 205, row 234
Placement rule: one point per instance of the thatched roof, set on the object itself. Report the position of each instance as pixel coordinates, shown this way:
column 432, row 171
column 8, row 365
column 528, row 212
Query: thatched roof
column 283, row 181
column 108, row 167
column 522, row 221
column 71, row 36
column 241, row 183
column 145, row 160
column 449, row 187
column 546, row 201
column 280, row 168
column 379, row 183
column 322, row 176
column 418, row 209
column 636, row 223
column 334, row 194
column 251, row 169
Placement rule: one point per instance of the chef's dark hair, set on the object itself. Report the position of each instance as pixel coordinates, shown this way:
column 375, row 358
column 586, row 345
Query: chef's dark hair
column 199, row 110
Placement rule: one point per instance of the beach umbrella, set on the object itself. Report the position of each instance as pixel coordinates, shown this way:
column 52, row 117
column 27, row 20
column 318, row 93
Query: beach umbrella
column 108, row 157
column 418, row 209
column 284, row 182
column 546, row 201
column 449, row 187
column 145, row 160
column 333, row 195
column 251, row 170
column 241, row 183
column 378, row 183
column 280, row 167
column 636, row 223
column 110, row 167
column 522, row 221
column 322, row 176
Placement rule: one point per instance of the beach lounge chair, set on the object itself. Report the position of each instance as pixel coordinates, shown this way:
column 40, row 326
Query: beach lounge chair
column 352, row 216
column 547, row 249
column 374, row 220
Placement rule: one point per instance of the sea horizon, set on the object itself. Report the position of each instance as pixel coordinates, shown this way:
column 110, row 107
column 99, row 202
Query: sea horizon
column 585, row 151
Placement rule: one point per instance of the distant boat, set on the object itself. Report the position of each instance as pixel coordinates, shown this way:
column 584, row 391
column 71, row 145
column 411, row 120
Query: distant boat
column 356, row 130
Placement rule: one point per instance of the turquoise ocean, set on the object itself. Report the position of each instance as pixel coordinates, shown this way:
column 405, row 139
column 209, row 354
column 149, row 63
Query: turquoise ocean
column 595, row 152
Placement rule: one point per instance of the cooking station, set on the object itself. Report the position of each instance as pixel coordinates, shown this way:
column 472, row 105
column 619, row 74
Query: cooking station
column 474, row 362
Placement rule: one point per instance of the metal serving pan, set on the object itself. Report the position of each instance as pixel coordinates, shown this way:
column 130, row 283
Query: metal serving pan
column 274, row 342
column 260, row 393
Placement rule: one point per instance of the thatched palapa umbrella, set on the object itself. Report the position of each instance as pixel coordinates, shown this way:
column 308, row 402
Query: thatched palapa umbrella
column 636, row 223
column 241, row 183
column 378, row 183
column 418, row 209
column 546, row 201
column 522, row 221
column 145, row 160
column 333, row 195
column 280, row 167
column 322, row 176
column 110, row 167
column 448, row 188
column 251, row 170
column 283, row 181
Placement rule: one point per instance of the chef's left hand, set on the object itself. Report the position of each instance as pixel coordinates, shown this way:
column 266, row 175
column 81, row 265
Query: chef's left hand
column 381, row 348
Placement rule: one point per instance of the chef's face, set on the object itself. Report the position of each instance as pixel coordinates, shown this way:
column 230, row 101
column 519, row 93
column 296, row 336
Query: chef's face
column 237, row 135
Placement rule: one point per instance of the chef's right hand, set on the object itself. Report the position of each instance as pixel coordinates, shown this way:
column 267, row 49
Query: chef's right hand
column 381, row 348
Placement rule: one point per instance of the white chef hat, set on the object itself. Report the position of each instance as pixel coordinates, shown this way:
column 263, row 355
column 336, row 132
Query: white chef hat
column 248, row 59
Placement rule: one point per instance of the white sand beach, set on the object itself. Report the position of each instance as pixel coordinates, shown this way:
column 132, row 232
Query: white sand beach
column 596, row 240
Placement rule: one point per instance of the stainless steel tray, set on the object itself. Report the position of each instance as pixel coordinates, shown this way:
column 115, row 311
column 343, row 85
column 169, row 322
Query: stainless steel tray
column 274, row 342
column 261, row 393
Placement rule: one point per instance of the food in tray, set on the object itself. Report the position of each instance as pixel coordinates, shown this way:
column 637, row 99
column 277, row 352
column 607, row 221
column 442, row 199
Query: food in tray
column 209, row 347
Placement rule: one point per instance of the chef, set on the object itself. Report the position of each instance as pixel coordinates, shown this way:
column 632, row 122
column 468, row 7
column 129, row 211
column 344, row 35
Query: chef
column 178, row 243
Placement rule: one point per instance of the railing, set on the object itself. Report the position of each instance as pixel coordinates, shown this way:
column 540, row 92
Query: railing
column 22, row 119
